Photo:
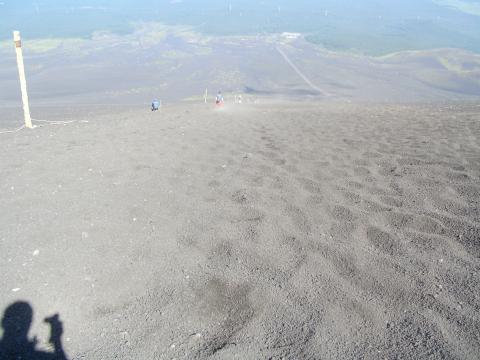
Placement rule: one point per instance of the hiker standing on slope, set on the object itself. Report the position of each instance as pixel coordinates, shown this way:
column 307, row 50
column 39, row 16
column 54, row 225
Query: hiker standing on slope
column 156, row 104
column 219, row 99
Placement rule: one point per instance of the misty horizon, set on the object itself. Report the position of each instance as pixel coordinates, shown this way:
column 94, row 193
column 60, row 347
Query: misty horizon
column 370, row 27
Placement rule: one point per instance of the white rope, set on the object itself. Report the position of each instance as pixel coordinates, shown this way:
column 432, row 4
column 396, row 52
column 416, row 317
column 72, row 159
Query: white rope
column 55, row 122
column 12, row 131
column 46, row 122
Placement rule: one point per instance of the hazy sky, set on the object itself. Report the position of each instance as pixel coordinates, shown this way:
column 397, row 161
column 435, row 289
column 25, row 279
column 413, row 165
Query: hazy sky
column 375, row 26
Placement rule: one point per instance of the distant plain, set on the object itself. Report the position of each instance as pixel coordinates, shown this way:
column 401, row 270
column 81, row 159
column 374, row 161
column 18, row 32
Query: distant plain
column 129, row 52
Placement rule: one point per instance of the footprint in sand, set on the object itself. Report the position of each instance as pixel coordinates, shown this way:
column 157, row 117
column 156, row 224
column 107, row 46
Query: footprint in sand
column 299, row 218
column 383, row 241
column 311, row 186
column 342, row 214
column 214, row 184
column 351, row 197
column 421, row 223
column 240, row 196
column 391, row 201
column 361, row 171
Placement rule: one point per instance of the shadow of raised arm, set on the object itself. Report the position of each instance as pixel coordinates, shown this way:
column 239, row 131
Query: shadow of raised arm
column 15, row 343
column 56, row 332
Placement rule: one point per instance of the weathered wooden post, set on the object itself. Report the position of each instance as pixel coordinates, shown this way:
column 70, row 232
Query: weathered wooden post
column 205, row 95
column 23, row 81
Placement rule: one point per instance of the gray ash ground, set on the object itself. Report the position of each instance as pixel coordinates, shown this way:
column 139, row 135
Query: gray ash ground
column 271, row 231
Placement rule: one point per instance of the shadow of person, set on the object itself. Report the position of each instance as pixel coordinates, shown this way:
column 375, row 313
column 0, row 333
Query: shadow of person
column 15, row 344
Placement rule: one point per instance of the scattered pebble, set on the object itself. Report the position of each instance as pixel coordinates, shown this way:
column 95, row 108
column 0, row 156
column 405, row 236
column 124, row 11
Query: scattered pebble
column 16, row 290
column 36, row 252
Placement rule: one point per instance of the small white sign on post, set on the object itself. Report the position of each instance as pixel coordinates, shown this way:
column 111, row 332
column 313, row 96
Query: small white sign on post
column 23, row 81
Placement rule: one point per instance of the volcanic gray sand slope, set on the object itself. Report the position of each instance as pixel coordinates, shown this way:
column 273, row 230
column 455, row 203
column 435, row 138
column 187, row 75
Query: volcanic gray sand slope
column 314, row 231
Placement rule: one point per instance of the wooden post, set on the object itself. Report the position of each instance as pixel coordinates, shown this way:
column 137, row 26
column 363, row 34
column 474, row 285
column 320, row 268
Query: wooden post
column 23, row 81
column 206, row 95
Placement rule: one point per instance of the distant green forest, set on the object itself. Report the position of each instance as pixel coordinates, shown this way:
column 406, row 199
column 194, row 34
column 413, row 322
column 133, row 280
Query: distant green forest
column 373, row 27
